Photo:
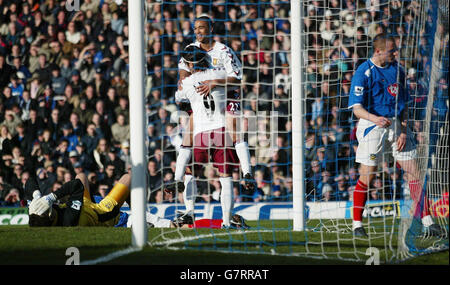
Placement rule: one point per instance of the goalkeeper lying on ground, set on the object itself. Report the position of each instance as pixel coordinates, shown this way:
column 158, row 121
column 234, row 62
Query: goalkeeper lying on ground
column 71, row 205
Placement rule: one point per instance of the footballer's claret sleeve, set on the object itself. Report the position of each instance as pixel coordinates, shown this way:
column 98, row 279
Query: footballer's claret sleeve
column 232, row 64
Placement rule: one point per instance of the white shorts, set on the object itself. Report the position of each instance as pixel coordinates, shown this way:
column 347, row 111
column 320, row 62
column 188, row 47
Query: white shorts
column 374, row 142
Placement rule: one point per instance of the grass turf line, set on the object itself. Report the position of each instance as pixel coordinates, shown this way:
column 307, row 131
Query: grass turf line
column 24, row 245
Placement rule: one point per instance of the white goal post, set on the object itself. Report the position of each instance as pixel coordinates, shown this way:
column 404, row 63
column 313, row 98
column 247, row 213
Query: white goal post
column 138, row 123
column 297, row 116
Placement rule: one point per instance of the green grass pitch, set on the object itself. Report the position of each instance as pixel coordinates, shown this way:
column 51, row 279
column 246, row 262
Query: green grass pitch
column 266, row 243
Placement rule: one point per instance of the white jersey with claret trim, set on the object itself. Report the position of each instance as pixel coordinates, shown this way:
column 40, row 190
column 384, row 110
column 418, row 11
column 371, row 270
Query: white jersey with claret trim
column 220, row 56
column 209, row 111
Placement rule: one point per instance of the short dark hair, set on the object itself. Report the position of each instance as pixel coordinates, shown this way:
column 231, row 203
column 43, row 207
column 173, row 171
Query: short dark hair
column 205, row 18
column 195, row 55
column 379, row 42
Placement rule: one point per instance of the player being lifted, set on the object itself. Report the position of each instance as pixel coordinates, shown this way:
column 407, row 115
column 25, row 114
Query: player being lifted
column 380, row 102
column 221, row 57
column 209, row 123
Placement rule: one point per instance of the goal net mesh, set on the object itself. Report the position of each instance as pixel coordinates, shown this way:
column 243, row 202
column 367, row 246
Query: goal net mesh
column 337, row 37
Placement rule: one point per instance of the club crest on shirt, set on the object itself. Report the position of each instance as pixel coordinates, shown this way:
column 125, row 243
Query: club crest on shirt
column 214, row 61
column 393, row 89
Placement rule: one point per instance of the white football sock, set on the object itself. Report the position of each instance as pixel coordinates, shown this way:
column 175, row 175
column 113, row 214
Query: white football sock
column 226, row 199
column 243, row 154
column 190, row 192
column 356, row 224
column 183, row 158
column 427, row 221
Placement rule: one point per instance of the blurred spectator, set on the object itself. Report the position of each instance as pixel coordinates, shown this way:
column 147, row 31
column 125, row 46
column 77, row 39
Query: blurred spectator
column 58, row 82
column 120, row 130
column 84, row 112
column 67, row 134
column 314, row 177
column 22, row 139
column 263, row 188
column 376, row 189
column 352, row 176
column 108, row 177
column 114, row 160
column 12, row 199
column 155, row 180
column 277, row 191
column 393, row 185
column 327, row 193
column 310, row 147
column 100, row 154
column 341, row 188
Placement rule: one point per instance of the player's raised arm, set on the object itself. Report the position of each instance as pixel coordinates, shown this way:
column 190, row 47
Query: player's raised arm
column 74, row 189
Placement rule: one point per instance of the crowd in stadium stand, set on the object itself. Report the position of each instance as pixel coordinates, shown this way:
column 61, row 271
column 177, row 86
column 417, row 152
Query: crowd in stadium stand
column 64, row 93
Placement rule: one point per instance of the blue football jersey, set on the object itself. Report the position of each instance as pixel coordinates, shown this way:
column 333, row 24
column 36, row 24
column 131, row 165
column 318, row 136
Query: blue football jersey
column 378, row 89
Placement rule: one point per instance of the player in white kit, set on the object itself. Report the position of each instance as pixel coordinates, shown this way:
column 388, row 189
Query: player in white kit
column 222, row 57
column 210, row 141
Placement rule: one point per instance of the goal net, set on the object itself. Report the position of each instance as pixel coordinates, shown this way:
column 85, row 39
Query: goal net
column 337, row 38
column 429, row 117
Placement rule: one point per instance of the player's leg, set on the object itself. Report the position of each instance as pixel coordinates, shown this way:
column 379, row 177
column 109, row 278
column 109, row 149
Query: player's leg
column 239, row 143
column 421, row 206
column 184, row 181
column 153, row 221
column 83, row 178
column 117, row 196
column 121, row 189
column 226, row 198
column 185, row 152
column 406, row 158
column 367, row 173
column 241, row 146
column 190, row 192
column 371, row 141
column 183, row 158
column 225, row 159
column 190, row 186
column 201, row 156
column 108, row 209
